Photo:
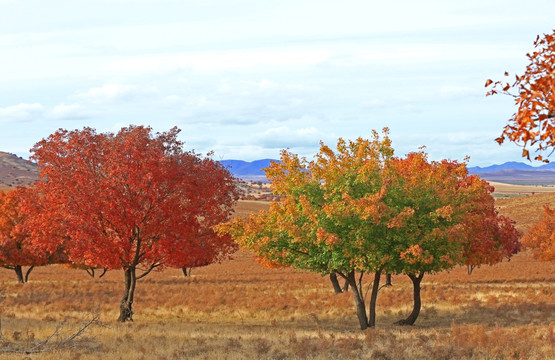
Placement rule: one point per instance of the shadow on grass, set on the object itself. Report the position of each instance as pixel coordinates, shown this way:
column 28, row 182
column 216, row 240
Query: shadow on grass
column 502, row 315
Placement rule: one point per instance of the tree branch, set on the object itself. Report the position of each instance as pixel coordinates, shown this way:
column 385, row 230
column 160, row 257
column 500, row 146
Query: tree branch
column 28, row 272
column 152, row 267
column 66, row 342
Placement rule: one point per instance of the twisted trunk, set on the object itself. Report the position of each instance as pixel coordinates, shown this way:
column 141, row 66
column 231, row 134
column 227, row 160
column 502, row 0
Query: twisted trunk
column 126, row 305
column 417, row 303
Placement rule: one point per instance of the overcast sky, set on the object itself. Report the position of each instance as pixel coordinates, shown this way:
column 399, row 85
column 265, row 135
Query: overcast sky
column 247, row 78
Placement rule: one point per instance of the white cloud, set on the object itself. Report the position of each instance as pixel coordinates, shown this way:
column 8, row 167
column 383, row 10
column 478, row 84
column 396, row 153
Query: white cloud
column 173, row 99
column 265, row 84
column 222, row 60
column 21, row 112
column 285, row 137
column 69, row 112
column 114, row 93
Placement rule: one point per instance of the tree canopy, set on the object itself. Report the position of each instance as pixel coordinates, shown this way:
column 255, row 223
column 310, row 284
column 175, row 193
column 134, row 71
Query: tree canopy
column 540, row 238
column 132, row 200
column 533, row 123
column 360, row 210
column 17, row 248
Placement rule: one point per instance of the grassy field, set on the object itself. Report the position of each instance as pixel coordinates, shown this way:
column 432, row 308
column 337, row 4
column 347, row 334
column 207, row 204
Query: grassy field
column 240, row 310
column 503, row 190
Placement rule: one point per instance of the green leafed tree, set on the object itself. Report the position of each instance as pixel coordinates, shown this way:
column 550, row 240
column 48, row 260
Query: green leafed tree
column 359, row 210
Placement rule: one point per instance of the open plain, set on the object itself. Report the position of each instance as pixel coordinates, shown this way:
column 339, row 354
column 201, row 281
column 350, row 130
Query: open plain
column 241, row 310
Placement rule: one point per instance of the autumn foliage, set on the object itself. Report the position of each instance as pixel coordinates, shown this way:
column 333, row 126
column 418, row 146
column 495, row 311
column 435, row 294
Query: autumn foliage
column 540, row 238
column 360, row 210
column 533, row 124
column 132, row 200
column 17, row 248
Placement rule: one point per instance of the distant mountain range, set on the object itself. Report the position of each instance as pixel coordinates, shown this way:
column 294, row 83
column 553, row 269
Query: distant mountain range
column 248, row 170
column 15, row 171
column 517, row 173
column 511, row 165
column 510, row 172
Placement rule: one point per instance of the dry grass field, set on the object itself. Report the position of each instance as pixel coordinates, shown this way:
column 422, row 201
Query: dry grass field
column 240, row 310
column 503, row 190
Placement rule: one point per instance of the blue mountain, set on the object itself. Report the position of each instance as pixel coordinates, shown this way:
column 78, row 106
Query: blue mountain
column 550, row 166
column 501, row 172
column 511, row 165
column 240, row 168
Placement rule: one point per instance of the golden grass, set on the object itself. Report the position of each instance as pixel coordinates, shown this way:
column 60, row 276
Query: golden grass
column 525, row 210
column 511, row 189
column 240, row 310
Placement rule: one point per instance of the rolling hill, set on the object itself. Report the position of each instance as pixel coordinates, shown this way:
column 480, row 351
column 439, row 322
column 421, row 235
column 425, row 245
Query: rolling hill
column 16, row 171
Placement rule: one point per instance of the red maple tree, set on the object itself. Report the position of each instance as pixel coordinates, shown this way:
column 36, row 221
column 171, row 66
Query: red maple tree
column 16, row 246
column 489, row 236
column 134, row 200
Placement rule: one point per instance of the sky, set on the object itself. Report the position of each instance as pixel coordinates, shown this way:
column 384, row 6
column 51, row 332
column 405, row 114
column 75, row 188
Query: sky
column 247, row 78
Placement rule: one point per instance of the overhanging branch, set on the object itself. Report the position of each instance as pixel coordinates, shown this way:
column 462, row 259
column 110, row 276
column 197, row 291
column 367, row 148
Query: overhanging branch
column 152, row 267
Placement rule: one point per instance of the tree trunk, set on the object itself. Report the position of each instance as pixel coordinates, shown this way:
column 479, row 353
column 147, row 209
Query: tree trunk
column 28, row 272
column 19, row 273
column 417, row 304
column 126, row 306
column 185, row 271
column 335, row 283
column 373, row 299
column 388, row 280
column 346, row 286
column 359, row 301
column 90, row 271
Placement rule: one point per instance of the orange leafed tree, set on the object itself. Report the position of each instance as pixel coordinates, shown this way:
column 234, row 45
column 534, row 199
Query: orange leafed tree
column 541, row 237
column 359, row 210
column 533, row 124
column 16, row 246
column 134, row 200
column 448, row 219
